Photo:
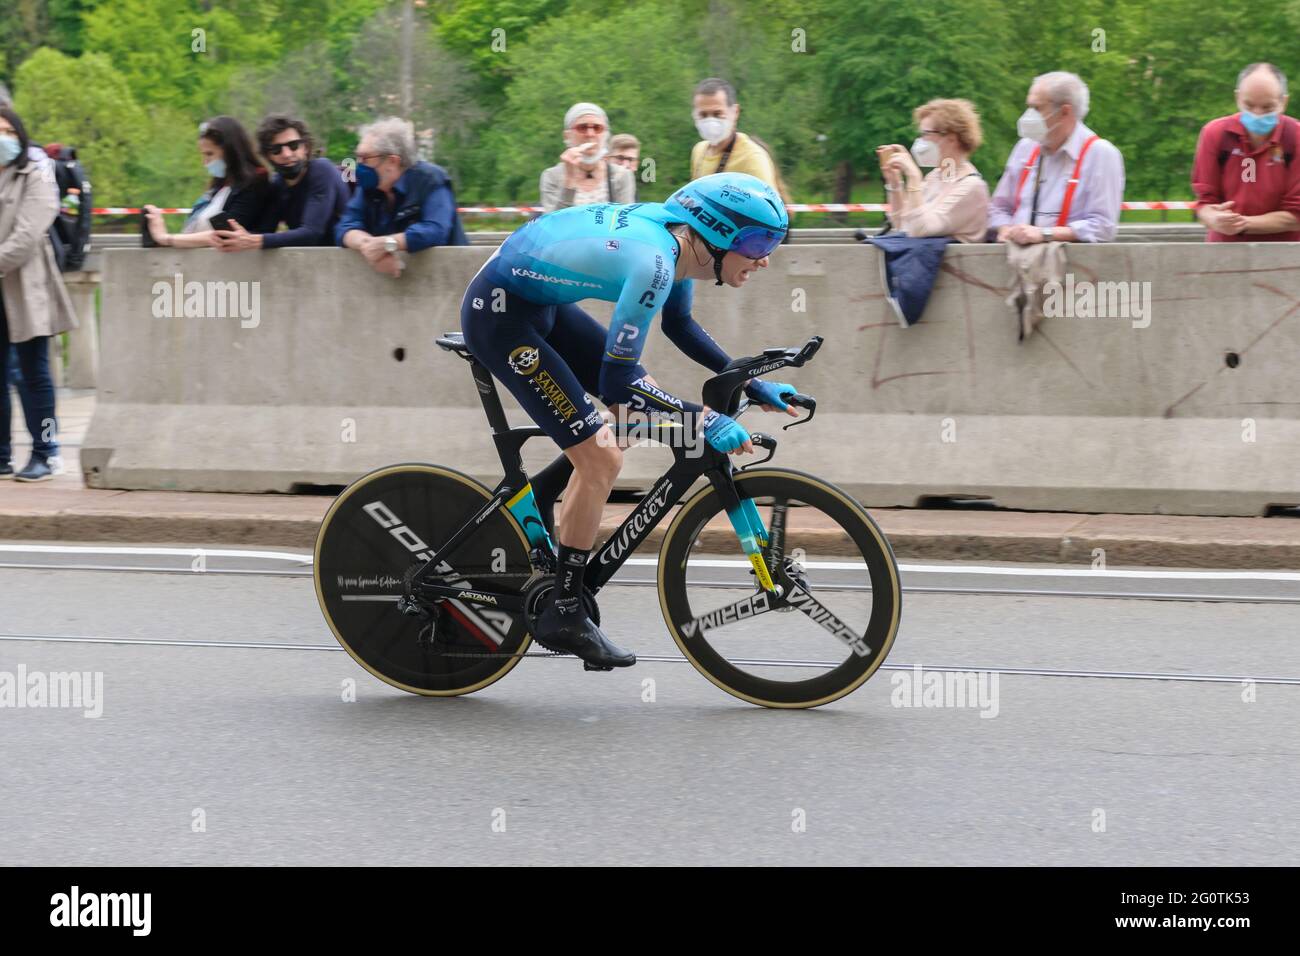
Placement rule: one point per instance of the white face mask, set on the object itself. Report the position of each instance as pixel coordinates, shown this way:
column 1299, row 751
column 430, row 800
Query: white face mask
column 1031, row 125
column 925, row 152
column 713, row 128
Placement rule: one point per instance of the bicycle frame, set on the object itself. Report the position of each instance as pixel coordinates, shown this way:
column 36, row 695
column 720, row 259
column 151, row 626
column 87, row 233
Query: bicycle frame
column 722, row 392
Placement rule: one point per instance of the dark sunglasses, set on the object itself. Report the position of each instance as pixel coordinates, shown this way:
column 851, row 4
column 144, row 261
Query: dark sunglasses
column 589, row 128
column 276, row 148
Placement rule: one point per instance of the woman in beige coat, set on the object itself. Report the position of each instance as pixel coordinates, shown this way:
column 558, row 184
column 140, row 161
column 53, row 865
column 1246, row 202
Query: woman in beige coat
column 33, row 302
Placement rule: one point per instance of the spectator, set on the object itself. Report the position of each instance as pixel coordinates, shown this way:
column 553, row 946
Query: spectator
column 580, row 177
column 625, row 151
column 239, row 186
column 401, row 204
column 723, row 147
column 1035, row 200
column 307, row 195
column 952, row 199
column 1245, row 177
column 34, row 305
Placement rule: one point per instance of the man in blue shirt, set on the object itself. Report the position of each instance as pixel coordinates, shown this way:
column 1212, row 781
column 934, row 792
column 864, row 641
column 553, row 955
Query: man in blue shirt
column 307, row 195
column 401, row 204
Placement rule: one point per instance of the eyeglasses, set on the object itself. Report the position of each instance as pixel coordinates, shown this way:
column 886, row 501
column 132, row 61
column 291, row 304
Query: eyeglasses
column 276, row 148
column 589, row 127
column 362, row 157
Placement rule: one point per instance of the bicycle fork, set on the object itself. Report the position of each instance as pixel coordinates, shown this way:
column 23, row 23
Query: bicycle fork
column 749, row 528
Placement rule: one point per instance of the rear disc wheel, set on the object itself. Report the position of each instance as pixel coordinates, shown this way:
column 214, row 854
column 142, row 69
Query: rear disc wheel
column 382, row 528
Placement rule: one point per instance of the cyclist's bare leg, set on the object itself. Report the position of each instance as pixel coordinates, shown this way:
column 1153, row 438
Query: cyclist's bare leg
column 596, row 463
column 580, row 491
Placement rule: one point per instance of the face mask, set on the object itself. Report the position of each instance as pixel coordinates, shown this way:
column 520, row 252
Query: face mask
column 1258, row 125
column 9, row 149
column 1031, row 125
column 292, row 170
column 216, row 168
column 925, row 152
column 713, row 129
column 367, row 178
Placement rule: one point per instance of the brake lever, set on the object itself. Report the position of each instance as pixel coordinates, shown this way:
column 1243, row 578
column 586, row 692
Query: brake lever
column 761, row 440
column 802, row 401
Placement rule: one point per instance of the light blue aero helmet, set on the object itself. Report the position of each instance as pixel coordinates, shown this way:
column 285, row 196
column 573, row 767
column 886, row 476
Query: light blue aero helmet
column 732, row 212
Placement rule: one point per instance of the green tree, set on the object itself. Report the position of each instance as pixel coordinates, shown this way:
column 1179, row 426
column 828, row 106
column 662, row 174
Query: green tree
column 488, row 33
column 83, row 101
column 182, row 53
column 879, row 60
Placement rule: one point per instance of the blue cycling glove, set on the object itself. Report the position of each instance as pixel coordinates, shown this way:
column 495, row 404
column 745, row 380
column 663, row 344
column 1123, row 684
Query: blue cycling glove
column 769, row 393
column 723, row 432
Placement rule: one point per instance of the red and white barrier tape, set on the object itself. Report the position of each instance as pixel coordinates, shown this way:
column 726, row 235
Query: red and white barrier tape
column 793, row 207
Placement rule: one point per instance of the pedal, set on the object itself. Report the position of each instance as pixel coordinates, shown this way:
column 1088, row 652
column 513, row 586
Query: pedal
column 594, row 667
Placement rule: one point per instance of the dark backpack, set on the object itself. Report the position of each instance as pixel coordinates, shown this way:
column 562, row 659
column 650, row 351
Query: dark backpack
column 1229, row 140
column 70, row 234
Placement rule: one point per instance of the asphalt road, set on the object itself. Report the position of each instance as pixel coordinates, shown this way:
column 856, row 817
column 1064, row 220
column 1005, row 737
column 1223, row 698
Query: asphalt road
column 557, row 765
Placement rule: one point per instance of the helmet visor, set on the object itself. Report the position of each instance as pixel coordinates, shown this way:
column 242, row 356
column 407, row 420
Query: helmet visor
column 756, row 242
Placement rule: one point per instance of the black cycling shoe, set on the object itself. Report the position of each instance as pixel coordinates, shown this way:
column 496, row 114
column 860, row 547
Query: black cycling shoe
column 576, row 634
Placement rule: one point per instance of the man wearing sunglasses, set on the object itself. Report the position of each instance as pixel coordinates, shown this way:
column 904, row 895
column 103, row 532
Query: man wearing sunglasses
column 307, row 195
column 521, row 319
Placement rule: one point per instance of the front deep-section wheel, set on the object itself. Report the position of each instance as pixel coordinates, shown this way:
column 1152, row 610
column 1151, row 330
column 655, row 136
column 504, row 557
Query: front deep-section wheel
column 837, row 614
column 381, row 529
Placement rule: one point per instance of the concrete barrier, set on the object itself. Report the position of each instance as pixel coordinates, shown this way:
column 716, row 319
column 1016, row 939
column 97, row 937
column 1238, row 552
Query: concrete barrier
column 1187, row 404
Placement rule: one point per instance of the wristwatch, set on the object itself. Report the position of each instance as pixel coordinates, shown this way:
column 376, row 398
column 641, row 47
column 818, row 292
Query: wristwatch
column 1048, row 232
column 390, row 244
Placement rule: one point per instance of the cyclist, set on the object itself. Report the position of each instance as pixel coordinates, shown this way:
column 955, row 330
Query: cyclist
column 521, row 320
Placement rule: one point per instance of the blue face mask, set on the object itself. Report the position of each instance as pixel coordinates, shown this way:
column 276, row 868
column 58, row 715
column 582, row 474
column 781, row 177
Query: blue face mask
column 367, row 178
column 9, row 149
column 217, row 168
column 1258, row 125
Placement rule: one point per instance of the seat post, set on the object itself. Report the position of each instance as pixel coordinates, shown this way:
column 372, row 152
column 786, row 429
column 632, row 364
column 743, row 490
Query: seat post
column 487, row 393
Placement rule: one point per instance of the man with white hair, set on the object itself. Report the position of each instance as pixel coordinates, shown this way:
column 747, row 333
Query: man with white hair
column 1062, row 182
column 583, row 175
column 401, row 203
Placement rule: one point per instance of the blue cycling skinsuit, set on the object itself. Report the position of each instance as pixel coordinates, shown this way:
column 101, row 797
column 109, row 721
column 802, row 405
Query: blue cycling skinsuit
column 520, row 318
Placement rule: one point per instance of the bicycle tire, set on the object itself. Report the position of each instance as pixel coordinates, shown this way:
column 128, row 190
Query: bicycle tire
column 374, row 534
column 862, row 537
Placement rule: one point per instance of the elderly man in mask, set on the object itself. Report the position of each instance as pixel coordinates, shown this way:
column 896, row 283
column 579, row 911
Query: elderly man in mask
column 583, row 174
column 1063, row 182
column 1246, row 177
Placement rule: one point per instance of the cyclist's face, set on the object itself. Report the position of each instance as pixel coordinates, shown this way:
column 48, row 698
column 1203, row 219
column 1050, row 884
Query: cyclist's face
column 736, row 268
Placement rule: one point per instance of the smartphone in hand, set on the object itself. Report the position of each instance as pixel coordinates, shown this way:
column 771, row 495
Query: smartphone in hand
column 220, row 220
column 146, row 240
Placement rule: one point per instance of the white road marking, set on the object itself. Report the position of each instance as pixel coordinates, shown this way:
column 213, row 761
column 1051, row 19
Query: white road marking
column 306, row 559
column 1011, row 572
column 179, row 552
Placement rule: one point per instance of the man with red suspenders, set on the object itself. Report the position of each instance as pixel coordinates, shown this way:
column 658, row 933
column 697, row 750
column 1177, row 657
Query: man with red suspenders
column 1062, row 182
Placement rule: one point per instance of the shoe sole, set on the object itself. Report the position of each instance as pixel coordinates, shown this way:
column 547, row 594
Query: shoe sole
column 29, row 481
